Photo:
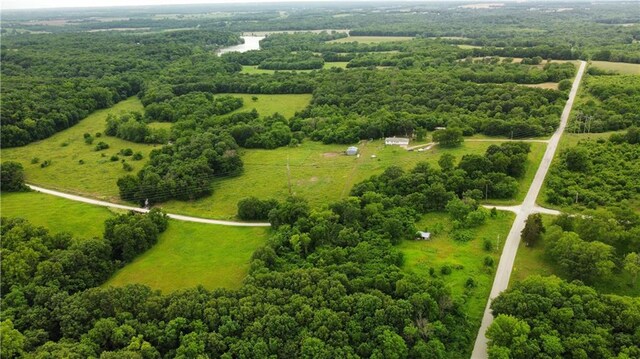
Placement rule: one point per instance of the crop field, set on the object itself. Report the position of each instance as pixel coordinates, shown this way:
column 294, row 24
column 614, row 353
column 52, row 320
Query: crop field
column 466, row 259
column 186, row 255
column 192, row 254
column 544, row 85
column 620, row 67
column 372, row 39
column 97, row 176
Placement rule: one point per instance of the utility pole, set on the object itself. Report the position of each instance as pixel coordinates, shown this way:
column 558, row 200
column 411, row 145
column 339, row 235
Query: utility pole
column 486, row 191
column 498, row 243
column 576, row 197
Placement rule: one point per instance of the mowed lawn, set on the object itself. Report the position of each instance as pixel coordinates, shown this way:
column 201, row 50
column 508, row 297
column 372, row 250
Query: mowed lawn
column 186, row 255
column 620, row 67
column 98, row 175
column 465, row 258
column 319, row 173
column 371, row 39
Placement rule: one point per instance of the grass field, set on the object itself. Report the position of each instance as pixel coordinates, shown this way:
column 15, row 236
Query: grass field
column 620, row 67
column 55, row 213
column 247, row 69
column 320, row 173
column 191, row 254
column 372, row 39
column 467, row 257
column 286, row 105
column 97, row 176
column 466, row 47
column 186, row 255
column 532, row 261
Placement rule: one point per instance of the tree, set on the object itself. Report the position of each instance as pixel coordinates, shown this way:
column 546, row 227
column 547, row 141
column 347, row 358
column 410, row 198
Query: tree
column 632, row 265
column 508, row 331
column 12, row 340
column 577, row 159
column 450, row 137
column 533, row 229
column 12, row 177
column 447, row 162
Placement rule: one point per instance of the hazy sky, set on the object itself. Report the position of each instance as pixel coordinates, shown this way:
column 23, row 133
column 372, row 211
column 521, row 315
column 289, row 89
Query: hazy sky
column 34, row 4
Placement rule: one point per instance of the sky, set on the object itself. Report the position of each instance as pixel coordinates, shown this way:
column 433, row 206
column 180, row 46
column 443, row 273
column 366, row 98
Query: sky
column 35, row 4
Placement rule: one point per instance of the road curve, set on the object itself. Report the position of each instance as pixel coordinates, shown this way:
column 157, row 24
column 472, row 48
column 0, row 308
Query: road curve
column 503, row 273
column 177, row 217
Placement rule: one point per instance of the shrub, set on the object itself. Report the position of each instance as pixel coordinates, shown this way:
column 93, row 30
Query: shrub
column 470, row 283
column 487, row 245
column 88, row 140
column 488, row 261
column 127, row 167
column 445, row 269
column 64, row 144
column 35, row 160
column 126, row 152
column 432, row 271
column 81, row 162
column 46, row 163
column 564, row 85
column 101, row 146
column 114, row 158
column 12, row 177
column 462, row 235
column 137, row 156
column 98, row 134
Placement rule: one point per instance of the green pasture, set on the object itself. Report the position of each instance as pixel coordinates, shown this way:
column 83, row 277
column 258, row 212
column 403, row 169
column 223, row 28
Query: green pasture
column 97, row 176
column 186, row 255
column 465, row 258
column 320, row 173
column 286, row 105
column 192, row 254
column 248, row 69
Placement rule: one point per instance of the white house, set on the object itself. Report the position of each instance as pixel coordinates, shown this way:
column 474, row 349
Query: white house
column 425, row 236
column 352, row 151
column 397, row 141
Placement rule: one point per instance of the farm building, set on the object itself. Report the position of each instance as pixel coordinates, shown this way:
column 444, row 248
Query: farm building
column 423, row 236
column 398, row 141
column 352, row 151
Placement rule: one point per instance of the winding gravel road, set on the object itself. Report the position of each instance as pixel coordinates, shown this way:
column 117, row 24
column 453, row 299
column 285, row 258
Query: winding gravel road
column 503, row 272
column 144, row 210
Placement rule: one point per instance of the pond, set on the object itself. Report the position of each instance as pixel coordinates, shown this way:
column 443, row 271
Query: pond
column 250, row 43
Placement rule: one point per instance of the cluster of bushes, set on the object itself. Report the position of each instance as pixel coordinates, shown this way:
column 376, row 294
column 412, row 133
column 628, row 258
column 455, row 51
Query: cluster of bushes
column 12, row 177
column 131, row 127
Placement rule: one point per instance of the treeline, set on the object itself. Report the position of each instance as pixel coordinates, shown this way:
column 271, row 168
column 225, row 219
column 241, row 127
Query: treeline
column 358, row 104
column 485, row 73
column 131, row 127
column 50, row 82
column 597, row 173
column 562, row 320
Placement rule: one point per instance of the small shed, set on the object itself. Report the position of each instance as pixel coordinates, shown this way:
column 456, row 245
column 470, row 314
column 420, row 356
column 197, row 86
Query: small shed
column 423, row 236
column 352, row 151
column 397, row 141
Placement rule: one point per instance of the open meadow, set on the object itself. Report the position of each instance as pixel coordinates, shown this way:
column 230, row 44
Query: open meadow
column 186, row 255
column 248, row 69
column 371, row 39
column 620, row 67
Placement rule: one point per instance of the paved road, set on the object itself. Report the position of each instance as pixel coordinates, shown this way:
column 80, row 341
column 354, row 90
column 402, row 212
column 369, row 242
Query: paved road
column 144, row 210
column 518, row 208
column 503, row 272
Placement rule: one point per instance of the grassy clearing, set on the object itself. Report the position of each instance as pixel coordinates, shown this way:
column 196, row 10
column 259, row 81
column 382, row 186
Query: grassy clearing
column 466, row 47
column 56, row 214
column 191, row 254
column 160, row 125
column 248, row 69
column 97, row 176
column 468, row 257
column 620, row 67
column 320, row 173
column 266, row 105
column 372, row 39
column 533, row 261
column 186, row 255
column 544, row 85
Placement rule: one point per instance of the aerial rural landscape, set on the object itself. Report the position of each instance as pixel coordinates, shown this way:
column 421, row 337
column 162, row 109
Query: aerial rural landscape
column 321, row 180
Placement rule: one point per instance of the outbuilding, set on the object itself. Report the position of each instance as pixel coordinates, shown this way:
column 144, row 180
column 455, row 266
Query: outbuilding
column 396, row 141
column 423, row 236
column 352, row 151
